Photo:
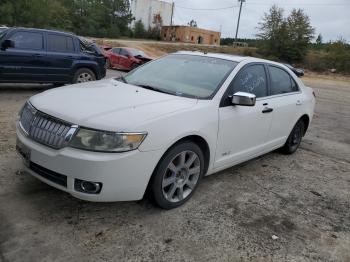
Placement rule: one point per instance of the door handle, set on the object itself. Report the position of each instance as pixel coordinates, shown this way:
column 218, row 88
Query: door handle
column 37, row 55
column 267, row 110
column 299, row 103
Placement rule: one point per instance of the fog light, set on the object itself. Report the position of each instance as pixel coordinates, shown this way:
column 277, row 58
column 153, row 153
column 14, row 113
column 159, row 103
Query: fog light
column 87, row 187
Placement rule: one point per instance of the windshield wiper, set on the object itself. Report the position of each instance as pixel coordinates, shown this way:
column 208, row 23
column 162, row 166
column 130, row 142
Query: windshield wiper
column 156, row 89
column 122, row 78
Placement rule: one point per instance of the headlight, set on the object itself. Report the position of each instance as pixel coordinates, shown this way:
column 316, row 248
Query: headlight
column 104, row 141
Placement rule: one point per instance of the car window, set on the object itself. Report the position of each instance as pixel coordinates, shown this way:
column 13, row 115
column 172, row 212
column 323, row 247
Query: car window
column 251, row 79
column 60, row 43
column 183, row 75
column 281, row 81
column 135, row 52
column 28, row 40
column 3, row 32
column 295, row 86
column 116, row 51
column 124, row 52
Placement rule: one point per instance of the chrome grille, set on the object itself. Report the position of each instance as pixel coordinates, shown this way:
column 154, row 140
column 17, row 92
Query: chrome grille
column 45, row 129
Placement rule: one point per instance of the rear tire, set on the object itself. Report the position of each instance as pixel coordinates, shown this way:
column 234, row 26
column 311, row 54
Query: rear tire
column 294, row 139
column 108, row 64
column 83, row 75
column 177, row 175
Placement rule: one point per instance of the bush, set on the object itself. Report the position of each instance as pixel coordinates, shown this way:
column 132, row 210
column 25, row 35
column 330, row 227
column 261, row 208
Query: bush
column 335, row 55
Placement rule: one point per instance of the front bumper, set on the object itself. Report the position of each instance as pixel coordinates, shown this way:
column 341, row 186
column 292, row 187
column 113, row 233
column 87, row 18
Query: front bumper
column 124, row 176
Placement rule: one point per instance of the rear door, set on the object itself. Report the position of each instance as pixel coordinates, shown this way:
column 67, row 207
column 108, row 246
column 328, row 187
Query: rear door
column 124, row 59
column 286, row 100
column 61, row 53
column 243, row 130
column 114, row 57
column 26, row 61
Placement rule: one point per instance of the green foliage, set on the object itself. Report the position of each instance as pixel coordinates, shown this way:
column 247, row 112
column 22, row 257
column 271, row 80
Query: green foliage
column 327, row 56
column 139, row 29
column 192, row 23
column 286, row 39
column 99, row 18
column 319, row 39
column 250, row 42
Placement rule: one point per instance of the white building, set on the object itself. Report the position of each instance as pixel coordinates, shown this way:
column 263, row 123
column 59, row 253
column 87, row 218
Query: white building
column 145, row 10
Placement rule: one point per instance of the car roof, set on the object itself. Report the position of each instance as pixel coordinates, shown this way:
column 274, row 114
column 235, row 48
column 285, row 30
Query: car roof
column 129, row 48
column 234, row 58
column 42, row 30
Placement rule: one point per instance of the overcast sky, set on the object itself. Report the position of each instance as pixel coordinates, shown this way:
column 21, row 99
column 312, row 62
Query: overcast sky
column 331, row 18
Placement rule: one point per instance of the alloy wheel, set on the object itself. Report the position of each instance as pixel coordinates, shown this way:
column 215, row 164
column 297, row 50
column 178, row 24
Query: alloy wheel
column 84, row 77
column 181, row 176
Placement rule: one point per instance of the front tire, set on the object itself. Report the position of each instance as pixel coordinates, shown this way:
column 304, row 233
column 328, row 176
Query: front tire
column 83, row 75
column 177, row 175
column 294, row 138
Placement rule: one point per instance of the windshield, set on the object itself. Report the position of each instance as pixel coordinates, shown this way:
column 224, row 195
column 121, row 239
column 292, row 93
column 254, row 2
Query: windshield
column 3, row 32
column 135, row 52
column 183, row 75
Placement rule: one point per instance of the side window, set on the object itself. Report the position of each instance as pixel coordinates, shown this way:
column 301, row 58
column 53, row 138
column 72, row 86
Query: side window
column 251, row 80
column 295, row 86
column 124, row 52
column 116, row 51
column 60, row 43
column 281, row 81
column 28, row 40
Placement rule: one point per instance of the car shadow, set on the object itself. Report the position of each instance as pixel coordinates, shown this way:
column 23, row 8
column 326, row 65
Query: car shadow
column 41, row 196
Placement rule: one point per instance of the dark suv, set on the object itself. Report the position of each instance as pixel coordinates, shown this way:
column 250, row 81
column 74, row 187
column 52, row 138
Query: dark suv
column 46, row 56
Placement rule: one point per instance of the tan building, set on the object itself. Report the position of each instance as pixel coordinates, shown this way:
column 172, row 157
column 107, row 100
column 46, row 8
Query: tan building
column 187, row 34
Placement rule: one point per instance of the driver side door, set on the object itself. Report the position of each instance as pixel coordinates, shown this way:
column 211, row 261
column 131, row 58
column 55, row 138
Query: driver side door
column 26, row 61
column 243, row 130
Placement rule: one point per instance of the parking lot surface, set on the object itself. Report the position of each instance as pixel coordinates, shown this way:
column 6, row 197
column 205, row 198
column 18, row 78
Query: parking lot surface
column 275, row 207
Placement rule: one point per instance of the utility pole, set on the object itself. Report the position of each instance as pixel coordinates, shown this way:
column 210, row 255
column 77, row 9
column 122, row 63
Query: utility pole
column 239, row 17
column 172, row 13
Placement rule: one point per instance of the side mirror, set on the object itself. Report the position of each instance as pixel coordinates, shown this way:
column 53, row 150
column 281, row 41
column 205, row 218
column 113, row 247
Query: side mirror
column 243, row 99
column 7, row 44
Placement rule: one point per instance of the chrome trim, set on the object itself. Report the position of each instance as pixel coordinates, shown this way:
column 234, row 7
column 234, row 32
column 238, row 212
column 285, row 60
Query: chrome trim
column 45, row 129
column 70, row 134
column 279, row 95
column 22, row 128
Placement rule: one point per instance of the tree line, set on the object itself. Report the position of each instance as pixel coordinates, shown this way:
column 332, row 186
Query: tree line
column 280, row 37
column 97, row 18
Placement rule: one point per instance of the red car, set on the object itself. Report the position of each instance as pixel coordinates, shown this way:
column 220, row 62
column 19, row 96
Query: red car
column 124, row 58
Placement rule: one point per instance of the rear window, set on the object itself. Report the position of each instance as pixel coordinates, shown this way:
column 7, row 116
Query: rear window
column 89, row 47
column 60, row 43
column 28, row 40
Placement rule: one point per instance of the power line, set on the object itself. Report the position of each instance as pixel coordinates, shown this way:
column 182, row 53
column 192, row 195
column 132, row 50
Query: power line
column 299, row 4
column 259, row 3
column 206, row 9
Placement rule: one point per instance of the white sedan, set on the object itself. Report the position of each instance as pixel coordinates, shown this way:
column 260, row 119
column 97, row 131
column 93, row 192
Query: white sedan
column 163, row 126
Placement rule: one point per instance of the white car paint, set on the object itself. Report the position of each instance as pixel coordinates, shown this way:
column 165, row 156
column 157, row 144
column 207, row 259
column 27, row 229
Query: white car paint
column 234, row 134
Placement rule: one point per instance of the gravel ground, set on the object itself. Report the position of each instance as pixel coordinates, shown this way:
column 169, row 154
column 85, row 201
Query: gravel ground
column 303, row 199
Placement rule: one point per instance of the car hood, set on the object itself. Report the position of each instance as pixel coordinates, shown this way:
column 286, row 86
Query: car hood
column 109, row 105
